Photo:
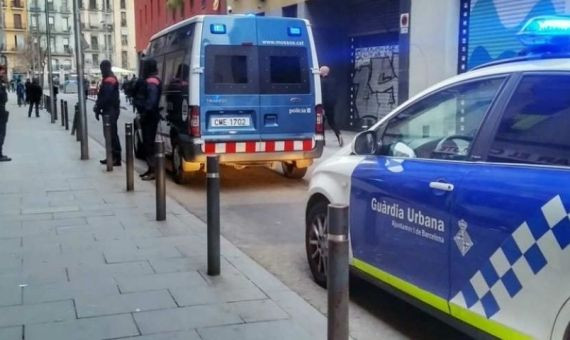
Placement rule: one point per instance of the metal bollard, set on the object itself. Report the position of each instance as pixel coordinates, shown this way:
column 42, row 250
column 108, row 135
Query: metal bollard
column 108, row 145
column 66, row 111
column 62, row 110
column 160, row 181
column 213, row 214
column 337, row 273
column 130, row 156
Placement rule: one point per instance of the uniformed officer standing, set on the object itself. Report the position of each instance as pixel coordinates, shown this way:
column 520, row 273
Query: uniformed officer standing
column 147, row 100
column 3, row 117
column 108, row 103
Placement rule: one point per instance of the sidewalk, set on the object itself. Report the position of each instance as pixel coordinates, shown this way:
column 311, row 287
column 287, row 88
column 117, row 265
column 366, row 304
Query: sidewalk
column 82, row 259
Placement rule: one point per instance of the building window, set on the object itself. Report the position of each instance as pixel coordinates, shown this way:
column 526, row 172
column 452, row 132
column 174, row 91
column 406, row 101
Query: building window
column 182, row 9
column 50, row 5
column 123, row 4
column 124, row 40
column 66, row 47
column 95, row 59
column 18, row 21
column 16, row 3
column 125, row 59
column 52, row 43
column 93, row 4
column 290, row 11
column 66, row 24
column 94, row 43
column 16, row 42
column 51, row 23
column 34, row 23
column 108, row 41
column 123, row 19
column 191, row 4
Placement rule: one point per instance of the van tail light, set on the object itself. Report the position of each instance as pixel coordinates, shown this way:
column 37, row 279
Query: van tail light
column 320, row 121
column 194, row 121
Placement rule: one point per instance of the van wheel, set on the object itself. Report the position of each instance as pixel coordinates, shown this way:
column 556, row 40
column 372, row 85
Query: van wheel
column 316, row 240
column 567, row 333
column 290, row 170
column 179, row 175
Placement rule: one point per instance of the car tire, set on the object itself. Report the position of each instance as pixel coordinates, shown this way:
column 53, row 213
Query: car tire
column 290, row 170
column 316, row 240
column 567, row 333
column 178, row 173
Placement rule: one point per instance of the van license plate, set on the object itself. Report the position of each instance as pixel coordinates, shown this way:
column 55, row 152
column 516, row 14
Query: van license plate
column 230, row 121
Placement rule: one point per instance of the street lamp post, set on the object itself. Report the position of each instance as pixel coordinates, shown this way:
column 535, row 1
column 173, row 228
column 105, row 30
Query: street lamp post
column 50, row 71
column 80, row 80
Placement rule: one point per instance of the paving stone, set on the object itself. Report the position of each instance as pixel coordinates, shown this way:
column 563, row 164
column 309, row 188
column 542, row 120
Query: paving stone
column 258, row 310
column 139, row 283
column 192, row 296
column 109, row 270
column 183, row 264
column 44, row 210
column 274, row 330
column 35, row 275
column 69, row 290
column 30, row 314
column 302, row 313
column 10, row 294
column 11, row 333
column 185, row 335
column 173, row 241
column 124, row 303
column 10, row 244
column 128, row 255
column 187, row 318
column 107, row 327
column 131, row 234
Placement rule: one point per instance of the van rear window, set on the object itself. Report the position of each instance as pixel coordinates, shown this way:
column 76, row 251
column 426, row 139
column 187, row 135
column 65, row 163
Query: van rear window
column 230, row 69
column 285, row 70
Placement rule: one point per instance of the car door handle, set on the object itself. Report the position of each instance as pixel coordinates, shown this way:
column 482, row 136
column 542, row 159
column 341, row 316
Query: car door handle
column 441, row 186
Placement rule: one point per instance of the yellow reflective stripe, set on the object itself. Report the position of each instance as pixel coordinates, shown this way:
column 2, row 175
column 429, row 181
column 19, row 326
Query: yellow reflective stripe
column 413, row 290
column 463, row 314
column 490, row 326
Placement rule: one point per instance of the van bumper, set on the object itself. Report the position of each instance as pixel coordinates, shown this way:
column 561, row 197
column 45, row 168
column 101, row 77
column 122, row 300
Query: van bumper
column 193, row 152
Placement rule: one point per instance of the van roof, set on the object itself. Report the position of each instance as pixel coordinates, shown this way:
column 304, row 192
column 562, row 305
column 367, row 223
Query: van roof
column 200, row 18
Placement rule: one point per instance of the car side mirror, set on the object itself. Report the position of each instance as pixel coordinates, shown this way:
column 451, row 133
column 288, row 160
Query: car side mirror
column 366, row 143
column 402, row 150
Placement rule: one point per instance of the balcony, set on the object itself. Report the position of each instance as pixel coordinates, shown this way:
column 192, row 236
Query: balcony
column 17, row 4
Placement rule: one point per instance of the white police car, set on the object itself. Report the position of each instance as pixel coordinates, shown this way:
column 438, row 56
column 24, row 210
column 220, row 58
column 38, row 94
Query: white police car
column 460, row 198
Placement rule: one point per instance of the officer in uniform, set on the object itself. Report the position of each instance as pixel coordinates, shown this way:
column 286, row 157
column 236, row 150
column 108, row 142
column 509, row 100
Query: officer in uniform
column 108, row 103
column 3, row 117
column 147, row 100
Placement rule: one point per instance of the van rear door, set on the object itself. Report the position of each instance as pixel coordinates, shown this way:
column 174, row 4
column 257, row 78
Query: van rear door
column 230, row 104
column 287, row 97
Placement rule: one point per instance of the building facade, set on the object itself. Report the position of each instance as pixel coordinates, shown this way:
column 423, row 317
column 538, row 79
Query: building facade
column 151, row 16
column 124, row 35
column 60, row 21
column 14, row 43
column 97, row 24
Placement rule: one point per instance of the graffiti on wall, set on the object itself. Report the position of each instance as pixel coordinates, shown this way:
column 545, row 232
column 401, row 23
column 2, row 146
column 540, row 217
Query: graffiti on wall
column 374, row 83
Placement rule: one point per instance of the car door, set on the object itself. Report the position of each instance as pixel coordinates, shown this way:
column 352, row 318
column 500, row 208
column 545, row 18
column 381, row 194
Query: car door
column 510, row 224
column 401, row 199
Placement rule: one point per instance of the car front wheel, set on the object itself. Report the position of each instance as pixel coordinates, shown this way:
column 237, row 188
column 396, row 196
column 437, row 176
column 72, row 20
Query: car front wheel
column 316, row 240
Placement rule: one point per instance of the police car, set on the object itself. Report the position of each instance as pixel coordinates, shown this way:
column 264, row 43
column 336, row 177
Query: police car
column 460, row 199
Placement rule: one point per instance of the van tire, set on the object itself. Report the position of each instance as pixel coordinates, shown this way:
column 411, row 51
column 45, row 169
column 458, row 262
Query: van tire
column 178, row 173
column 290, row 170
column 316, row 215
column 567, row 333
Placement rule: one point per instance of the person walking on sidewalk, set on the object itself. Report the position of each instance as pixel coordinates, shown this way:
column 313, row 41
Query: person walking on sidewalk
column 329, row 101
column 3, row 118
column 36, row 93
column 147, row 101
column 27, row 87
column 21, row 93
column 109, row 104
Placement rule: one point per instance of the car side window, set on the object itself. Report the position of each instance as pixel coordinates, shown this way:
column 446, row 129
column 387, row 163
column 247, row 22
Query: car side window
column 535, row 126
column 443, row 125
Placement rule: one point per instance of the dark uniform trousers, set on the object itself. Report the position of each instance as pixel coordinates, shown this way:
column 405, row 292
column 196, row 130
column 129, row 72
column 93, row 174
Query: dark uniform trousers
column 3, row 122
column 149, row 126
column 115, row 142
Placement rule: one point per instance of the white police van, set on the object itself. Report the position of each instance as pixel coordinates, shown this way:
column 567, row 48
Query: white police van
column 459, row 199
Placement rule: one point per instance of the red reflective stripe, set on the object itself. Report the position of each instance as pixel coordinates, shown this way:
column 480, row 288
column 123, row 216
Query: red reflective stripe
column 270, row 146
column 210, row 148
column 250, row 147
column 111, row 80
column 289, row 145
column 153, row 81
column 231, row 147
column 307, row 145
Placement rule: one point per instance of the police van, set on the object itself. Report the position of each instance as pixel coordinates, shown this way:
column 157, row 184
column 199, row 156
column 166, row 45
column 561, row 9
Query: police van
column 459, row 199
column 244, row 87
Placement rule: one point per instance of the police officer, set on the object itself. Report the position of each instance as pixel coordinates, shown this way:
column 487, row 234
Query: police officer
column 147, row 99
column 3, row 118
column 108, row 103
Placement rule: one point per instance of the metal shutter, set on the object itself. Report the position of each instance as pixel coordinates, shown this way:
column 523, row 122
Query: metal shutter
column 374, row 16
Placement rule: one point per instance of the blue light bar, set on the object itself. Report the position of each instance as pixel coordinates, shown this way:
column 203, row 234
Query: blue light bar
column 218, row 28
column 545, row 30
column 294, row 31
